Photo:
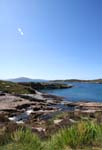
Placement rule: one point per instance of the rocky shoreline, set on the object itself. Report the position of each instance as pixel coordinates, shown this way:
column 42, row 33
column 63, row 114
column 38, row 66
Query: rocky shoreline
column 20, row 101
column 20, row 108
column 41, row 112
column 12, row 104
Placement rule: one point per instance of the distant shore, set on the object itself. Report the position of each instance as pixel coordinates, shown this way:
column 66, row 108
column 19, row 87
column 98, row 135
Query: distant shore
column 78, row 80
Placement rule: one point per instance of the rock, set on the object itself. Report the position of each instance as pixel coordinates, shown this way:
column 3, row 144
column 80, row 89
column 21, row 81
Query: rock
column 37, row 108
column 47, row 85
column 7, row 86
column 3, row 118
column 57, row 121
column 85, row 105
column 89, row 104
column 52, row 97
column 72, row 121
column 12, row 118
column 77, row 112
column 29, row 111
column 20, row 122
column 20, row 107
column 2, row 93
column 39, row 129
column 32, row 97
column 21, row 117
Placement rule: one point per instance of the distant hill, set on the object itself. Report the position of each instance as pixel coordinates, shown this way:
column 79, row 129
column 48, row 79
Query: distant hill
column 90, row 81
column 24, row 79
column 78, row 80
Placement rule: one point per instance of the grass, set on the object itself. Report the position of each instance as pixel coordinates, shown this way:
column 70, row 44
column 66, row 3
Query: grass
column 14, row 88
column 23, row 140
column 26, row 139
column 78, row 136
column 83, row 135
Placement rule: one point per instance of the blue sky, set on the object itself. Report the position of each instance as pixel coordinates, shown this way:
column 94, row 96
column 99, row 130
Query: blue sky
column 51, row 39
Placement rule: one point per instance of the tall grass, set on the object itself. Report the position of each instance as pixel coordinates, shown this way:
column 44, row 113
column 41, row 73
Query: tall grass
column 78, row 136
column 24, row 140
column 27, row 139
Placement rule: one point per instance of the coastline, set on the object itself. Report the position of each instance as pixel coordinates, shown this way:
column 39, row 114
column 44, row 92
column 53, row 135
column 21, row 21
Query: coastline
column 19, row 108
column 99, row 81
column 43, row 114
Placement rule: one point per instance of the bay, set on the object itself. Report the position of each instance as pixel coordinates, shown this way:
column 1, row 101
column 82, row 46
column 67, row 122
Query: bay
column 80, row 92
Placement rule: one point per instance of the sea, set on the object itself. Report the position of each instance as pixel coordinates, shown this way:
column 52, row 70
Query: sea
column 80, row 92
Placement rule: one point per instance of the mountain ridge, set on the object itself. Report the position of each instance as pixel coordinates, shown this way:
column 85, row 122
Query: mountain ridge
column 25, row 79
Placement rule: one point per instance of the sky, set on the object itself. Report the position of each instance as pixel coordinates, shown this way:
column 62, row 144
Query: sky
column 51, row 39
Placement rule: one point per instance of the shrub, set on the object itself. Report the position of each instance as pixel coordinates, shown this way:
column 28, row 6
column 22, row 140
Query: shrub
column 79, row 135
column 26, row 139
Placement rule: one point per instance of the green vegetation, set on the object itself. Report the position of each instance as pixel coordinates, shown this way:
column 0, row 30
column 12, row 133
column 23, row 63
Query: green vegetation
column 45, row 85
column 83, row 135
column 27, row 88
column 14, row 88
column 23, row 140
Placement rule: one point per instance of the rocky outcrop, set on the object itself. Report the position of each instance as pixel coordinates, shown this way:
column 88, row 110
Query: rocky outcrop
column 19, row 107
column 85, row 107
column 2, row 93
column 46, row 85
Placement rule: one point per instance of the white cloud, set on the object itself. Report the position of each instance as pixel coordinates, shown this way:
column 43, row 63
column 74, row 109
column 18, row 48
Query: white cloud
column 20, row 31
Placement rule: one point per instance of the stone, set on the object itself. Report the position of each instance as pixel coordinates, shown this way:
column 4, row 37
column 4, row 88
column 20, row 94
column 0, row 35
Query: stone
column 57, row 121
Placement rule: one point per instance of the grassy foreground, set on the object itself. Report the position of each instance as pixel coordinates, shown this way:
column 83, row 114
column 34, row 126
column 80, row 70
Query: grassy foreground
column 85, row 135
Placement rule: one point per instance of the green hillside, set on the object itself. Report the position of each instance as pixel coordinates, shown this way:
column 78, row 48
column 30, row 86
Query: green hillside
column 14, row 88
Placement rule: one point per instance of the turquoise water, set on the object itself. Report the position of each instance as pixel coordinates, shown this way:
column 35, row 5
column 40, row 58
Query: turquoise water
column 80, row 91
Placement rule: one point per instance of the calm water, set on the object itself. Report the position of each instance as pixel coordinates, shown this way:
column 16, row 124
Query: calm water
column 80, row 91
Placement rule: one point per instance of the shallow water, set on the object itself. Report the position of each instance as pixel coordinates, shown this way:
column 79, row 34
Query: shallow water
column 80, row 91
